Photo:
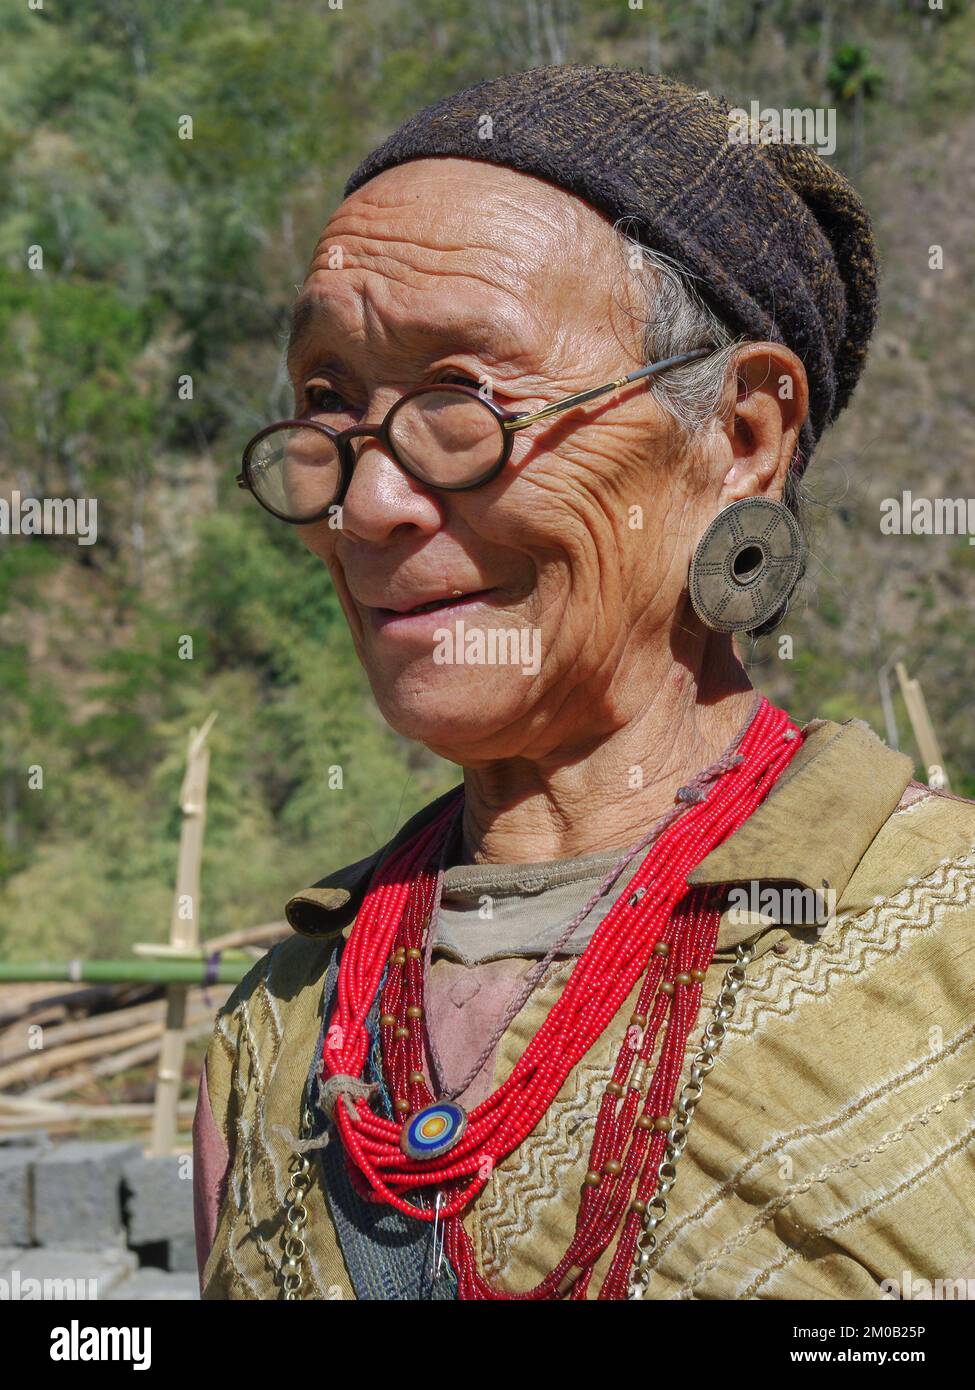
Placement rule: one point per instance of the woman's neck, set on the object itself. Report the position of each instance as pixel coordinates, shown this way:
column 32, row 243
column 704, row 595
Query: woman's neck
column 525, row 812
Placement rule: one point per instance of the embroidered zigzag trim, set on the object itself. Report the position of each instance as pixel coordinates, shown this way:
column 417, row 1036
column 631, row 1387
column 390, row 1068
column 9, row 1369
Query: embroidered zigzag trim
column 515, row 1191
column 556, row 1144
column 858, row 943
column 257, row 1153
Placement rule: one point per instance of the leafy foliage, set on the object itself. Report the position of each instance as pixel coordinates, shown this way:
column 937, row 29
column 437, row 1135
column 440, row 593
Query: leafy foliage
column 167, row 260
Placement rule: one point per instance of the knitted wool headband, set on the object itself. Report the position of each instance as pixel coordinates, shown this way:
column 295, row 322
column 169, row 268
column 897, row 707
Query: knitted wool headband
column 779, row 243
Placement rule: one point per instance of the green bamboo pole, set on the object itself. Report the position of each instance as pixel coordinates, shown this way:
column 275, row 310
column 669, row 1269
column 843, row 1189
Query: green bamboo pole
column 123, row 972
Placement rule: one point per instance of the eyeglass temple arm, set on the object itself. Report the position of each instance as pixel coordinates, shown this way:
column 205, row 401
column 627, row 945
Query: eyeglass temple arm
column 582, row 396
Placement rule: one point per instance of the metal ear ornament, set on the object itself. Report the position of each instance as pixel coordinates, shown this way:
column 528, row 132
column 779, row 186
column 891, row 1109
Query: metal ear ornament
column 746, row 565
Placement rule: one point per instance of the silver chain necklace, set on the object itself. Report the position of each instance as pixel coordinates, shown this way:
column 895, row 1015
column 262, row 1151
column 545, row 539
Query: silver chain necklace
column 711, row 1041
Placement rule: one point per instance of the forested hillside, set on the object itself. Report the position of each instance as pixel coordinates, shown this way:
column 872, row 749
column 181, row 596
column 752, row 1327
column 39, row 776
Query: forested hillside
column 146, row 346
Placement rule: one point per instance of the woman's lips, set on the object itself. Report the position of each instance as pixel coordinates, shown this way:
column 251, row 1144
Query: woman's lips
column 425, row 623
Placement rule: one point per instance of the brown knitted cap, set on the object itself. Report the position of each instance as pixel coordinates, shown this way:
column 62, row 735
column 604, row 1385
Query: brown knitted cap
column 779, row 241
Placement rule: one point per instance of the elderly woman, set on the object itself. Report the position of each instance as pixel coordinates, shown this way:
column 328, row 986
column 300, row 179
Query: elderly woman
column 668, row 999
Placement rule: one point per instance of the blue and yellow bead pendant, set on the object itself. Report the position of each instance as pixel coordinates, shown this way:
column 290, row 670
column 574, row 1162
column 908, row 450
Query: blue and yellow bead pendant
column 433, row 1130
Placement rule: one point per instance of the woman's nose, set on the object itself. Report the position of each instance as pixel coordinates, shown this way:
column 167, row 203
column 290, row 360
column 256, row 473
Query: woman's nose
column 381, row 496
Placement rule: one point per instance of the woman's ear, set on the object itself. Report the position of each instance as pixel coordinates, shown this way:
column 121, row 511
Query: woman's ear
column 762, row 426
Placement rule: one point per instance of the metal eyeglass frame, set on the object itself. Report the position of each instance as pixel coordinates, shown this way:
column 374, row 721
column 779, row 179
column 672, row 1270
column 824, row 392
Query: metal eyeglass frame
column 510, row 422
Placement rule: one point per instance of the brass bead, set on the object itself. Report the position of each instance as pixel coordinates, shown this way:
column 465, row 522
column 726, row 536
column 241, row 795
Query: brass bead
column 638, row 1020
column 417, row 1078
column 613, row 1088
column 682, row 979
column 698, row 975
column 414, row 954
column 402, row 1106
column 666, row 987
column 414, row 1011
column 661, row 949
column 592, row 1178
column 645, row 1122
column 638, row 1205
column 401, row 1033
column 612, row 1167
column 662, row 1122
column 637, row 1075
column 387, row 1020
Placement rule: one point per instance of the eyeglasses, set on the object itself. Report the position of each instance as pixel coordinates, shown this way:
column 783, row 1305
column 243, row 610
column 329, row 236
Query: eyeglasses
column 447, row 437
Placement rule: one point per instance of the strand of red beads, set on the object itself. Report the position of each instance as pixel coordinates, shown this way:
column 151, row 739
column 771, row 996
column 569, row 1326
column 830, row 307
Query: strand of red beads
column 663, row 933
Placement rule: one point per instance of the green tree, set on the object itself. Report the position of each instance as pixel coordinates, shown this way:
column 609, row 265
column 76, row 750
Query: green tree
column 854, row 81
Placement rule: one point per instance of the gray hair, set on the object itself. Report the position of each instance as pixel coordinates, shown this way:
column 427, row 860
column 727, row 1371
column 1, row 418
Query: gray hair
column 676, row 319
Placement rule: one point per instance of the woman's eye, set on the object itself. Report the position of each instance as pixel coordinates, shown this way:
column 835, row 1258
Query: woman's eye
column 323, row 400
column 460, row 379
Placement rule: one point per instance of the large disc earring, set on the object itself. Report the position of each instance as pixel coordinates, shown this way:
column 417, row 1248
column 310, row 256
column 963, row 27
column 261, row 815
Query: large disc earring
column 746, row 565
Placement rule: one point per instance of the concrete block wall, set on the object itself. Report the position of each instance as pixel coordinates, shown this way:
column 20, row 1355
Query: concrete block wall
column 98, row 1205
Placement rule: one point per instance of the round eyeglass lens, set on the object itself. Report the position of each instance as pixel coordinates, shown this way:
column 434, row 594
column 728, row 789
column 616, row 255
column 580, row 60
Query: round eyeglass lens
column 295, row 472
column 446, row 438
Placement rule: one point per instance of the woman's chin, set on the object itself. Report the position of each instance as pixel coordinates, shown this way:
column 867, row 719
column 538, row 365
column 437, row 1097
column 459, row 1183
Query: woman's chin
column 457, row 711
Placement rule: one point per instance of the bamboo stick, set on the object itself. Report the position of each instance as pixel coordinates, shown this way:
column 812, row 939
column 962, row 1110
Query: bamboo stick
column 99, row 1025
column 249, row 936
column 159, row 972
column 41, row 999
column 13, row 1031
column 927, row 740
column 111, row 1066
column 184, row 933
column 55, row 1117
column 50, row 1059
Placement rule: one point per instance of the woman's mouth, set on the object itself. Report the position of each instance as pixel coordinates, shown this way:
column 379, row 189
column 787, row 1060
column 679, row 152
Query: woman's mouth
column 431, row 613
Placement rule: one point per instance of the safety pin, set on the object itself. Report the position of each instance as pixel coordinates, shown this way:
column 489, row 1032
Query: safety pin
column 438, row 1229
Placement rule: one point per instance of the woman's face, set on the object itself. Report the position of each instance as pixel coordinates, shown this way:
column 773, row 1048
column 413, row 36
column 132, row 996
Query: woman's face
column 572, row 562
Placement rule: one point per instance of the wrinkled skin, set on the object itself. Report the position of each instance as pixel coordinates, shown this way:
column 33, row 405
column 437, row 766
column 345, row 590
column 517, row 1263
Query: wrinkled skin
column 455, row 269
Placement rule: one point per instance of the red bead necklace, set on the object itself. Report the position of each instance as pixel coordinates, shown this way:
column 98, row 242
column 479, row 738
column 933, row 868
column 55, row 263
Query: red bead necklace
column 665, row 933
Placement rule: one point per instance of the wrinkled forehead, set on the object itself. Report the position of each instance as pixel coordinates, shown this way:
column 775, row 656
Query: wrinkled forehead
column 449, row 247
